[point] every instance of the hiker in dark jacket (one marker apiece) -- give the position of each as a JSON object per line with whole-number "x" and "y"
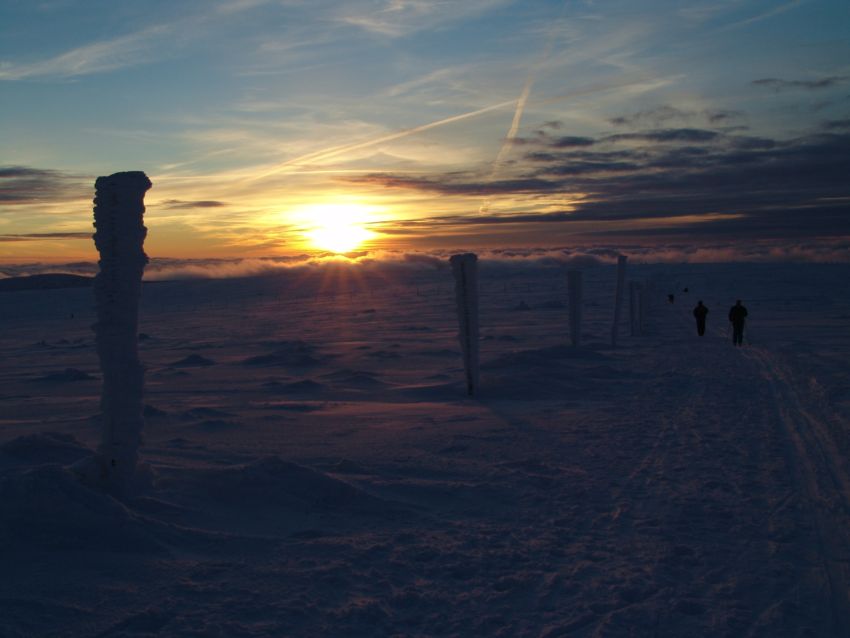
{"x": 700, "y": 312}
{"x": 737, "y": 315}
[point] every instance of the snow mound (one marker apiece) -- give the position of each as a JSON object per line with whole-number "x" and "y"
{"x": 286, "y": 353}
{"x": 282, "y": 358}
{"x": 204, "y": 412}
{"x": 65, "y": 376}
{"x": 552, "y": 304}
{"x": 383, "y": 355}
{"x": 193, "y": 361}
{"x": 302, "y": 387}
{"x": 217, "y": 425}
{"x": 542, "y": 356}
{"x": 47, "y": 508}
{"x": 354, "y": 379}
{"x": 152, "y": 412}
{"x": 271, "y": 481}
{"x": 294, "y": 406}
{"x": 45, "y": 447}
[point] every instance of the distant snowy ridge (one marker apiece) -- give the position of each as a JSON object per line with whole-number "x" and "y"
{"x": 46, "y": 281}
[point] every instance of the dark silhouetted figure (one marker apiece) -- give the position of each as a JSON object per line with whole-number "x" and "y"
{"x": 671, "y": 298}
{"x": 700, "y": 312}
{"x": 737, "y": 315}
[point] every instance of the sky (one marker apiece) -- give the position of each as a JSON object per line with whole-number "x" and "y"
{"x": 278, "y": 128}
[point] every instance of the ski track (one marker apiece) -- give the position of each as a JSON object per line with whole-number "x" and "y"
{"x": 811, "y": 436}
{"x": 703, "y": 492}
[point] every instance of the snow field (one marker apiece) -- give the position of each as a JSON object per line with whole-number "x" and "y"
{"x": 318, "y": 470}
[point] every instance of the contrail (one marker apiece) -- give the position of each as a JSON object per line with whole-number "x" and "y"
{"x": 294, "y": 164}
{"x": 509, "y": 138}
{"x": 339, "y": 150}
{"x": 520, "y": 108}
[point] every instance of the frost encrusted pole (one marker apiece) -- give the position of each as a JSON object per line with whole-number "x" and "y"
{"x": 574, "y": 293}
{"x": 618, "y": 298}
{"x": 465, "y": 271}
{"x": 119, "y": 236}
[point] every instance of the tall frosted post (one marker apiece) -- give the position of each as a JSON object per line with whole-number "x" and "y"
{"x": 119, "y": 236}
{"x": 465, "y": 271}
{"x": 574, "y": 293}
{"x": 618, "y": 298}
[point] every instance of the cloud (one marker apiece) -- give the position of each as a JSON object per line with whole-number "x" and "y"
{"x": 721, "y": 116}
{"x": 106, "y": 55}
{"x": 656, "y": 182}
{"x": 666, "y": 135}
{"x": 780, "y": 85}
{"x": 42, "y": 236}
{"x": 664, "y": 115}
{"x": 390, "y": 264}
{"x": 26, "y": 185}
{"x": 566, "y": 141}
{"x": 177, "y": 204}
{"x": 837, "y": 125}
{"x": 472, "y": 188}
{"x": 398, "y": 18}
{"x": 765, "y": 14}
{"x": 438, "y": 222}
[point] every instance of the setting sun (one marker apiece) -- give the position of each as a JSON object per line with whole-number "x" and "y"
{"x": 338, "y": 228}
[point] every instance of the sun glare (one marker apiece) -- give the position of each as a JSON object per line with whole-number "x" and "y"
{"x": 337, "y": 228}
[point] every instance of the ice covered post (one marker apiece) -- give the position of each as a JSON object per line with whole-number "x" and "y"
{"x": 465, "y": 271}
{"x": 119, "y": 235}
{"x": 618, "y": 298}
{"x": 574, "y": 294}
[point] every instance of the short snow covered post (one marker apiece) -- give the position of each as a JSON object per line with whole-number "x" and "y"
{"x": 119, "y": 235}
{"x": 618, "y": 298}
{"x": 574, "y": 293}
{"x": 465, "y": 271}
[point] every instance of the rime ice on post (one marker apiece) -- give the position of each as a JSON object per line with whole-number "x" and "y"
{"x": 465, "y": 271}
{"x": 119, "y": 235}
{"x": 618, "y": 299}
{"x": 574, "y": 293}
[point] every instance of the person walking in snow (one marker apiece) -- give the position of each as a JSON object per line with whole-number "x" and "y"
{"x": 700, "y": 312}
{"x": 737, "y": 316}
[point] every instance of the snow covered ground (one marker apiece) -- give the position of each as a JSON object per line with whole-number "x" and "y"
{"x": 318, "y": 471}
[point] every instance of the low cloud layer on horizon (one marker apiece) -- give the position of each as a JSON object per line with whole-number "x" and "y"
{"x": 388, "y": 262}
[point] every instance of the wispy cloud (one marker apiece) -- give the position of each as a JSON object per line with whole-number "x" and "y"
{"x": 837, "y": 125}
{"x": 335, "y": 151}
{"x": 397, "y": 18}
{"x": 764, "y": 15}
{"x": 664, "y": 115}
{"x": 26, "y": 184}
{"x": 183, "y": 204}
{"x": 43, "y": 236}
{"x": 778, "y": 84}
{"x": 132, "y": 49}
